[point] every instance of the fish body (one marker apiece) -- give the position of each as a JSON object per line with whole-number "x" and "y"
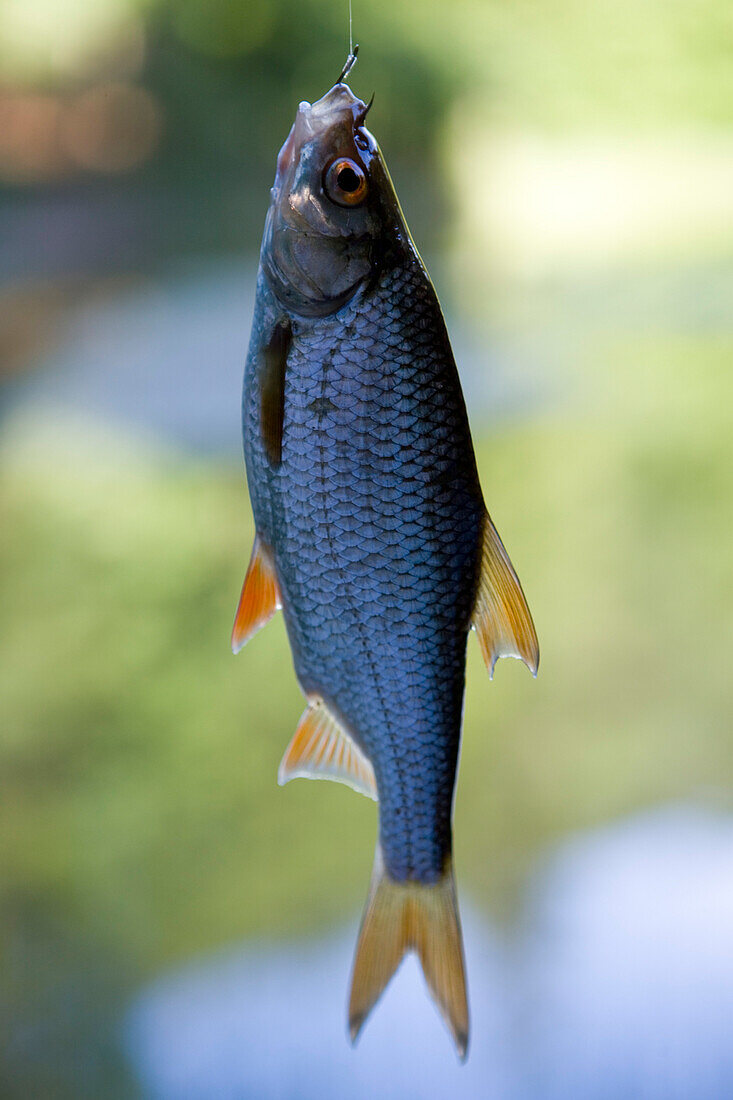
{"x": 372, "y": 533}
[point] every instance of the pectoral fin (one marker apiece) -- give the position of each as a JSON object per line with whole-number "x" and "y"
{"x": 272, "y": 391}
{"x": 260, "y": 597}
{"x": 322, "y": 749}
{"x": 501, "y": 617}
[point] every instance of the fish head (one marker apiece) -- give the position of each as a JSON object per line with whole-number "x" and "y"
{"x": 331, "y": 209}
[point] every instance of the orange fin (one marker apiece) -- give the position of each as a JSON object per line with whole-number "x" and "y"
{"x": 501, "y": 617}
{"x": 409, "y": 916}
{"x": 260, "y": 597}
{"x": 322, "y": 749}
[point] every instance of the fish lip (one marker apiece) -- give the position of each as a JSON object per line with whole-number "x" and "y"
{"x": 339, "y": 100}
{"x": 314, "y": 119}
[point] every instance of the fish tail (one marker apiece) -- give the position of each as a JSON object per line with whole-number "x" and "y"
{"x": 410, "y": 916}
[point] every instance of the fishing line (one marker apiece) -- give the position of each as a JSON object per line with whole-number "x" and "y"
{"x": 353, "y": 52}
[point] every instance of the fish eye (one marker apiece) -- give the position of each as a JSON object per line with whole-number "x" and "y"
{"x": 345, "y": 182}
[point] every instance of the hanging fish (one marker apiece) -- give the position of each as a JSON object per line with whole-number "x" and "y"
{"x": 372, "y": 534}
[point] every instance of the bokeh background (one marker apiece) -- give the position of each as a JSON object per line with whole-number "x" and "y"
{"x": 172, "y": 924}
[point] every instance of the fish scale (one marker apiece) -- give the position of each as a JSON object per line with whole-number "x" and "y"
{"x": 351, "y": 514}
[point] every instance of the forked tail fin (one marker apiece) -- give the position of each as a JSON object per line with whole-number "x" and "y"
{"x": 409, "y": 916}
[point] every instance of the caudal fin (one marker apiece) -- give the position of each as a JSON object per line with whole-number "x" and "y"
{"x": 409, "y": 916}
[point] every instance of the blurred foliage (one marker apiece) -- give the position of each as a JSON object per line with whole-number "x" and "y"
{"x": 138, "y": 808}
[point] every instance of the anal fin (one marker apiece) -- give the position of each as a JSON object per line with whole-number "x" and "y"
{"x": 322, "y": 749}
{"x": 260, "y": 597}
{"x": 501, "y": 617}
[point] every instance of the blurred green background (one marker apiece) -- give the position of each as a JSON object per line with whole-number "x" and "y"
{"x": 567, "y": 171}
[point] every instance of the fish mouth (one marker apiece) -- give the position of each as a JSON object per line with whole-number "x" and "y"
{"x": 338, "y": 101}
{"x": 338, "y": 108}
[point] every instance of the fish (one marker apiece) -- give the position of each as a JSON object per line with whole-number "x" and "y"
{"x": 372, "y": 534}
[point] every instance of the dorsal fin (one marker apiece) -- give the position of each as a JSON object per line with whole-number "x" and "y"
{"x": 322, "y": 749}
{"x": 501, "y": 617}
{"x": 260, "y": 597}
